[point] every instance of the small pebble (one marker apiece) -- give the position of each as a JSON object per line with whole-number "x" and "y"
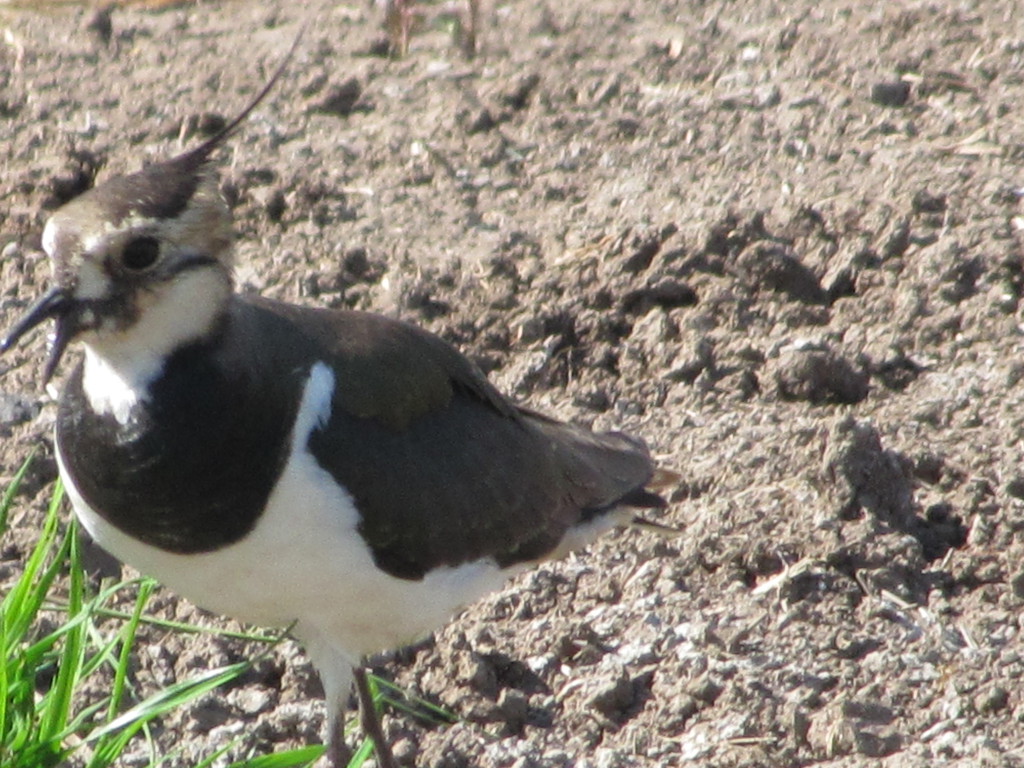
{"x": 891, "y": 94}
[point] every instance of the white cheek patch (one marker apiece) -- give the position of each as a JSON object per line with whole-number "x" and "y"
{"x": 120, "y": 364}
{"x": 92, "y": 282}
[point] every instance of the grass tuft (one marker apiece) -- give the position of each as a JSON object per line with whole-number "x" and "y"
{"x": 58, "y": 639}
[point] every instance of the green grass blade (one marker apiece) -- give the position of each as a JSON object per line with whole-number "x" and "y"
{"x": 296, "y": 758}
{"x": 57, "y": 702}
{"x": 130, "y": 631}
{"x": 6, "y": 635}
{"x": 210, "y": 760}
{"x": 362, "y": 754}
{"x": 5, "y": 693}
{"x": 169, "y": 698}
{"x": 192, "y": 629}
{"x": 388, "y": 693}
{"x": 21, "y": 605}
{"x": 12, "y": 490}
{"x": 24, "y": 658}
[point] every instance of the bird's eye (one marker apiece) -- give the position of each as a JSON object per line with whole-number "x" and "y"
{"x": 140, "y": 253}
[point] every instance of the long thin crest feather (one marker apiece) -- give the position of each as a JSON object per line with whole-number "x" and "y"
{"x": 198, "y": 155}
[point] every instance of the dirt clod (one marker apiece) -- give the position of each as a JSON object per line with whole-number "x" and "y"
{"x": 340, "y": 99}
{"x": 866, "y": 478}
{"x": 819, "y": 376}
{"x": 894, "y": 93}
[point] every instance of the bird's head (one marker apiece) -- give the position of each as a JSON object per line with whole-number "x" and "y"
{"x": 148, "y": 247}
{"x": 142, "y": 262}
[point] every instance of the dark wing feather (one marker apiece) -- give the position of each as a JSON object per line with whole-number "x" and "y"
{"x": 443, "y": 468}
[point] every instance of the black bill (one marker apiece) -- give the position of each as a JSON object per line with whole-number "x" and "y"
{"x": 56, "y": 304}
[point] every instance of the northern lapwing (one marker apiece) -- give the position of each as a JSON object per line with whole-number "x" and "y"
{"x": 342, "y": 472}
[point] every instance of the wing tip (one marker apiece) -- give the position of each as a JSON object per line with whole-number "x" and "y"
{"x": 651, "y": 496}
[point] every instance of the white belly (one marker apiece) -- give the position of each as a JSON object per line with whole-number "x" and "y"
{"x": 305, "y": 561}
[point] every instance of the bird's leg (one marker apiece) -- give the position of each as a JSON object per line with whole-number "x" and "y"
{"x": 371, "y": 721}
{"x": 336, "y": 673}
{"x": 338, "y": 754}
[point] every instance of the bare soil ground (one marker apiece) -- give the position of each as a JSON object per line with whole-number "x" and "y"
{"x": 780, "y": 241}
